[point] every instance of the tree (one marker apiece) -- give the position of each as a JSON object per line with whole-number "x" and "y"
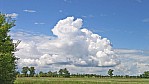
{"x": 64, "y": 72}
{"x": 110, "y": 72}
{"x": 50, "y": 74}
{"x": 55, "y": 74}
{"x": 32, "y": 71}
{"x": 41, "y": 74}
{"x": 7, "y": 58}
{"x": 145, "y": 74}
{"x": 60, "y": 72}
{"x": 25, "y": 71}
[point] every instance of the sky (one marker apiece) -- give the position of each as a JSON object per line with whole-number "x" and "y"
{"x": 111, "y": 33}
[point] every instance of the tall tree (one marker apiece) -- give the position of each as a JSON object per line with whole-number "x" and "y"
{"x": 32, "y": 71}
{"x": 25, "y": 71}
{"x": 7, "y": 58}
{"x": 110, "y": 72}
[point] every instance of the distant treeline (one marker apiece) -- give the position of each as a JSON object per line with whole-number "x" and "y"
{"x": 30, "y": 72}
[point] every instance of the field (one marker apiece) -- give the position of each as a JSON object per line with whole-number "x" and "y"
{"x": 47, "y": 80}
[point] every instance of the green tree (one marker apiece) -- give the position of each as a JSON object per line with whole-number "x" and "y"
{"x": 32, "y": 71}
{"x": 55, "y": 74}
{"x": 145, "y": 74}
{"x": 7, "y": 58}
{"x": 66, "y": 72}
{"x": 25, "y": 71}
{"x": 41, "y": 74}
{"x": 60, "y": 72}
{"x": 110, "y": 72}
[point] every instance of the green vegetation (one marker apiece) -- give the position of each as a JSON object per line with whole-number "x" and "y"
{"x": 32, "y": 71}
{"x": 66, "y": 74}
{"x": 25, "y": 71}
{"x": 145, "y": 75}
{"x": 110, "y": 72}
{"x": 64, "y": 77}
{"x": 49, "y": 80}
{"x": 7, "y": 58}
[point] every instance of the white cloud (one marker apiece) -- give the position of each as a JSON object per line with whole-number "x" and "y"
{"x": 133, "y": 62}
{"x": 82, "y": 44}
{"x": 29, "y": 11}
{"x": 78, "y": 49}
{"x": 74, "y": 45}
{"x": 45, "y": 54}
{"x": 12, "y": 15}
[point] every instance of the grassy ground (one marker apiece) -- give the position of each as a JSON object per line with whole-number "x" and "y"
{"x": 46, "y": 80}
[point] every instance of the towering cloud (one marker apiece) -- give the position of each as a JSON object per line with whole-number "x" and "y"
{"x": 82, "y": 46}
{"x": 77, "y": 49}
{"x": 72, "y": 46}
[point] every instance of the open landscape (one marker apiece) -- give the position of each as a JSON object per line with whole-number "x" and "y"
{"x": 48, "y": 80}
{"x": 74, "y": 41}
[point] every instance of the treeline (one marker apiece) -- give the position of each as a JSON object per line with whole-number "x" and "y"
{"x": 30, "y": 72}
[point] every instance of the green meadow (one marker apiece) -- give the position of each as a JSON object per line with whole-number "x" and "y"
{"x": 48, "y": 80}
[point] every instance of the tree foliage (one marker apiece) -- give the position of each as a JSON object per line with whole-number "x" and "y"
{"x": 64, "y": 72}
{"x": 25, "y": 71}
{"x": 7, "y": 58}
{"x": 28, "y": 72}
{"x": 32, "y": 71}
{"x": 110, "y": 72}
{"x": 145, "y": 74}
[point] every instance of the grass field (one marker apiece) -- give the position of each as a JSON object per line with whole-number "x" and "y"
{"x": 46, "y": 80}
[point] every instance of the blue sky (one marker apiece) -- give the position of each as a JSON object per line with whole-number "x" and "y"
{"x": 124, "y": 22}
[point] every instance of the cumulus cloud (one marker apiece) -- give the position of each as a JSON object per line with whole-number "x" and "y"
{"x": 85, "y": 47}
{"x": 79, "y": 50}
{"x": 73, "y": 45}
{"x": 29, "y": 11}
{"x": 12, "y": 15}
